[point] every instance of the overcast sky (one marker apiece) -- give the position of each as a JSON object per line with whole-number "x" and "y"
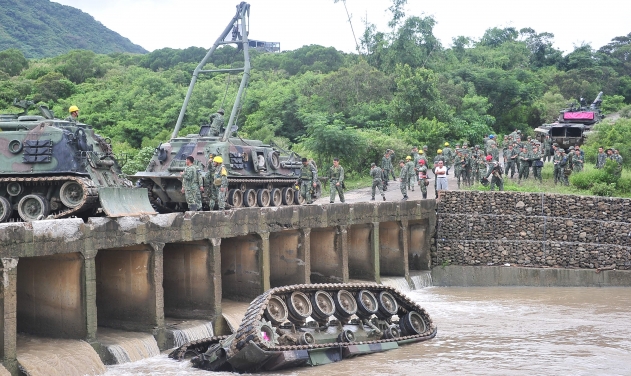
{"x": 155, "y": 24}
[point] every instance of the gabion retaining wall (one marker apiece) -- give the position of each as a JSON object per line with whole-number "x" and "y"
{"x": 532, "y": 229}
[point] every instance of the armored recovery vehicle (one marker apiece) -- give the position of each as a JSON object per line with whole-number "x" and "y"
{"x": 314, "y": 324}
{"x": 52, "y": 168}
{"x": 258, "y": 174}
{"x": 573, "y": 125}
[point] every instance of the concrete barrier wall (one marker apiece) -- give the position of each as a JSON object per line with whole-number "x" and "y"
{"x": 532, "y": 229}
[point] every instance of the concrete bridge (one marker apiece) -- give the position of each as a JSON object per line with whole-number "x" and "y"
{"x": 65, "y": 278}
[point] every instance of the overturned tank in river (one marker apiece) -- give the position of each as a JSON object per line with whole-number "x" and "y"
{"x": 574, "y": 124}
{"x": 52, "y": 168}
{"x": 313, "y": 324}
{"x": 258, "y": 174}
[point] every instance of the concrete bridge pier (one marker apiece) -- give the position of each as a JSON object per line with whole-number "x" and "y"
{"x": 8, "y": 308}
{"x": 289, "y": 252}
{"x": 393, "y": 248}
{"x": 129, "y": 293}
{"x": 329, "y": 254}
{"x": 363, "y": 252}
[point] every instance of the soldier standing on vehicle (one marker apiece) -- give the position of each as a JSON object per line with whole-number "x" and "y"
{"x": 308, "y": 178}
{"x": 376, "y": 174}
{"x": 410, "y": 166}
{"x": 601, "y": 158}
{"x": 403, "y": 179}
{"x": 74, "y": 114}
{"x": 209, "y": 187}
{"x": 336, "y": 180}
{"x": 216, "y": 122}
{"x": 191, "y": 185}
{"x": 220, "y": 182}
{"x": 423, "y": 180}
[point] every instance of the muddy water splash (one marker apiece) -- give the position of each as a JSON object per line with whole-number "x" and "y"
{"x": 51, "y": 357}
{"x": 187, "y": 331}
{"x": 128, "y": 347}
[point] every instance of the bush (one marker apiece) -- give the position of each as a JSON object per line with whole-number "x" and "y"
{"x": 603, "y": 189}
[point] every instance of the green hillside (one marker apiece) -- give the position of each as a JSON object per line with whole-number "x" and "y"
{"x": 40, "y": 28}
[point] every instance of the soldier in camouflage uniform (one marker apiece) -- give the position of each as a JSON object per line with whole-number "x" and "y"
{"x": 495, "y": 171}
{"x": 192, "y": 183}
{"x": 459, "y": 166}
{"x": 547, "y": 149}
{"x": 510, "y": 154}
{"x": 577, "y": 161}
{"x": 209, "y": 187}
{"x": 403, "y": 178}
{"x": 468, "y": 175}
{"x": 537, "y": 163}
{"x": 376, "y": 174}
{"x": 448, "y": 154}
{"x": 308, "y": 178}
{"x": 556, "y": 160}
{"x": 386, "y": 166}
{"x": 601, "y": 158}
{"x": 220, "y": 182}
{"x": 415, "y": 157}
{"x": 410, "y": 166}
{"x": 524, "y": 159}
{"x": 566, "y": 168}
{"x": 423, "y": 180}
{"x": 495, "y": 152}
{"x": 216, "y": 122}
{"x": 74, "y": 115}
{"x": 336, "y": 180}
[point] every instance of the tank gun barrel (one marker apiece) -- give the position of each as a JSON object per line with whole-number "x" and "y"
{"x": 596, "y": 103}
{"x": 242, "y": 10}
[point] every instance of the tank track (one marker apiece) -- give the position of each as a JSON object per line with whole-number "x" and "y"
{"x": 90, "y": 199}
{"x": 248, "y": 331}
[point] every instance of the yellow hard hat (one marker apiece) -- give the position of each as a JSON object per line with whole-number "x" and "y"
{"x": 446, "y": 143}
{"x": 420, "y": 152}
{"x": 408, "y": 158}
{"x": 439, "y": 151}
{"x": 218, "y": 159}
{"x": 73, "y": 109}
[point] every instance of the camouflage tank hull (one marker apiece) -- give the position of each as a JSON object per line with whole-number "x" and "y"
{"x": 310, "y": 325}
{"x": 50, "y": 168}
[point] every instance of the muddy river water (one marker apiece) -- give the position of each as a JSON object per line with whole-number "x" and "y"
{"x": 489, "y": 331}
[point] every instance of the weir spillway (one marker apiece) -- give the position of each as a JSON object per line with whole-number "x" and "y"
{"x": 66, "y": 278}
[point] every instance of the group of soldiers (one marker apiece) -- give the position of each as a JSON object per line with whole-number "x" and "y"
{"x": 213, "y": 182}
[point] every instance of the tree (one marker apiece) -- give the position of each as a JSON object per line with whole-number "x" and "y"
{"x": 12, "y": 62}
{"x": 416, "y": 96}
{"x": 52, "y": 87}
{"x": 79, "y": 65}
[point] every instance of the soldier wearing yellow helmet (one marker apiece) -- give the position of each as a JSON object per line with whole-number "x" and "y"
{"x": 74, "y": 114}
{"x": 409, "y": 165}
{"x": 448, "y": 155}
{"x": 219, "y": 184}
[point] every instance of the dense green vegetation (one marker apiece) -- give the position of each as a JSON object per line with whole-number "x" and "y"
{"x": 41, "y": 28}
{"x": 405, "y": 88}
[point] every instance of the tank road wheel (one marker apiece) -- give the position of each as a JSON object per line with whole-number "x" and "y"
{"x": 288, "y": 196}
{"x": 298, "y": 199}
{"x": 14, "y": 188}
{"x": 276, "y": 197}
{"x": 33, "y": 207}
{"x": 412, "y": 323}
{"x": 276, "y": 310}
{"x": 299, "y": 307}
{"x": 263, "y": 198}
{"x": 366, "y": 304}
{"x": 235, "y": 198}
{"x": 323, "y": 305}
{"x": 5, "y": 209}
{"x": 387, "y": 305}
{"x": 345, "y": 305}
{"x": 71, "y": 194}
{"x": 249, "y": 198}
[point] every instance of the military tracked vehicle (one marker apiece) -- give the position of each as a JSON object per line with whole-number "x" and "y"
{"x": 258, "y": 174}
{"x": 573, "y": 125}
{"x": 52, "y": 168}
{"x": 309, "y": 325}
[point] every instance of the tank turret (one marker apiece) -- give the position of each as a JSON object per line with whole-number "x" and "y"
{"x": 52, "y": 168}
{"x": 259, "y": 174}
